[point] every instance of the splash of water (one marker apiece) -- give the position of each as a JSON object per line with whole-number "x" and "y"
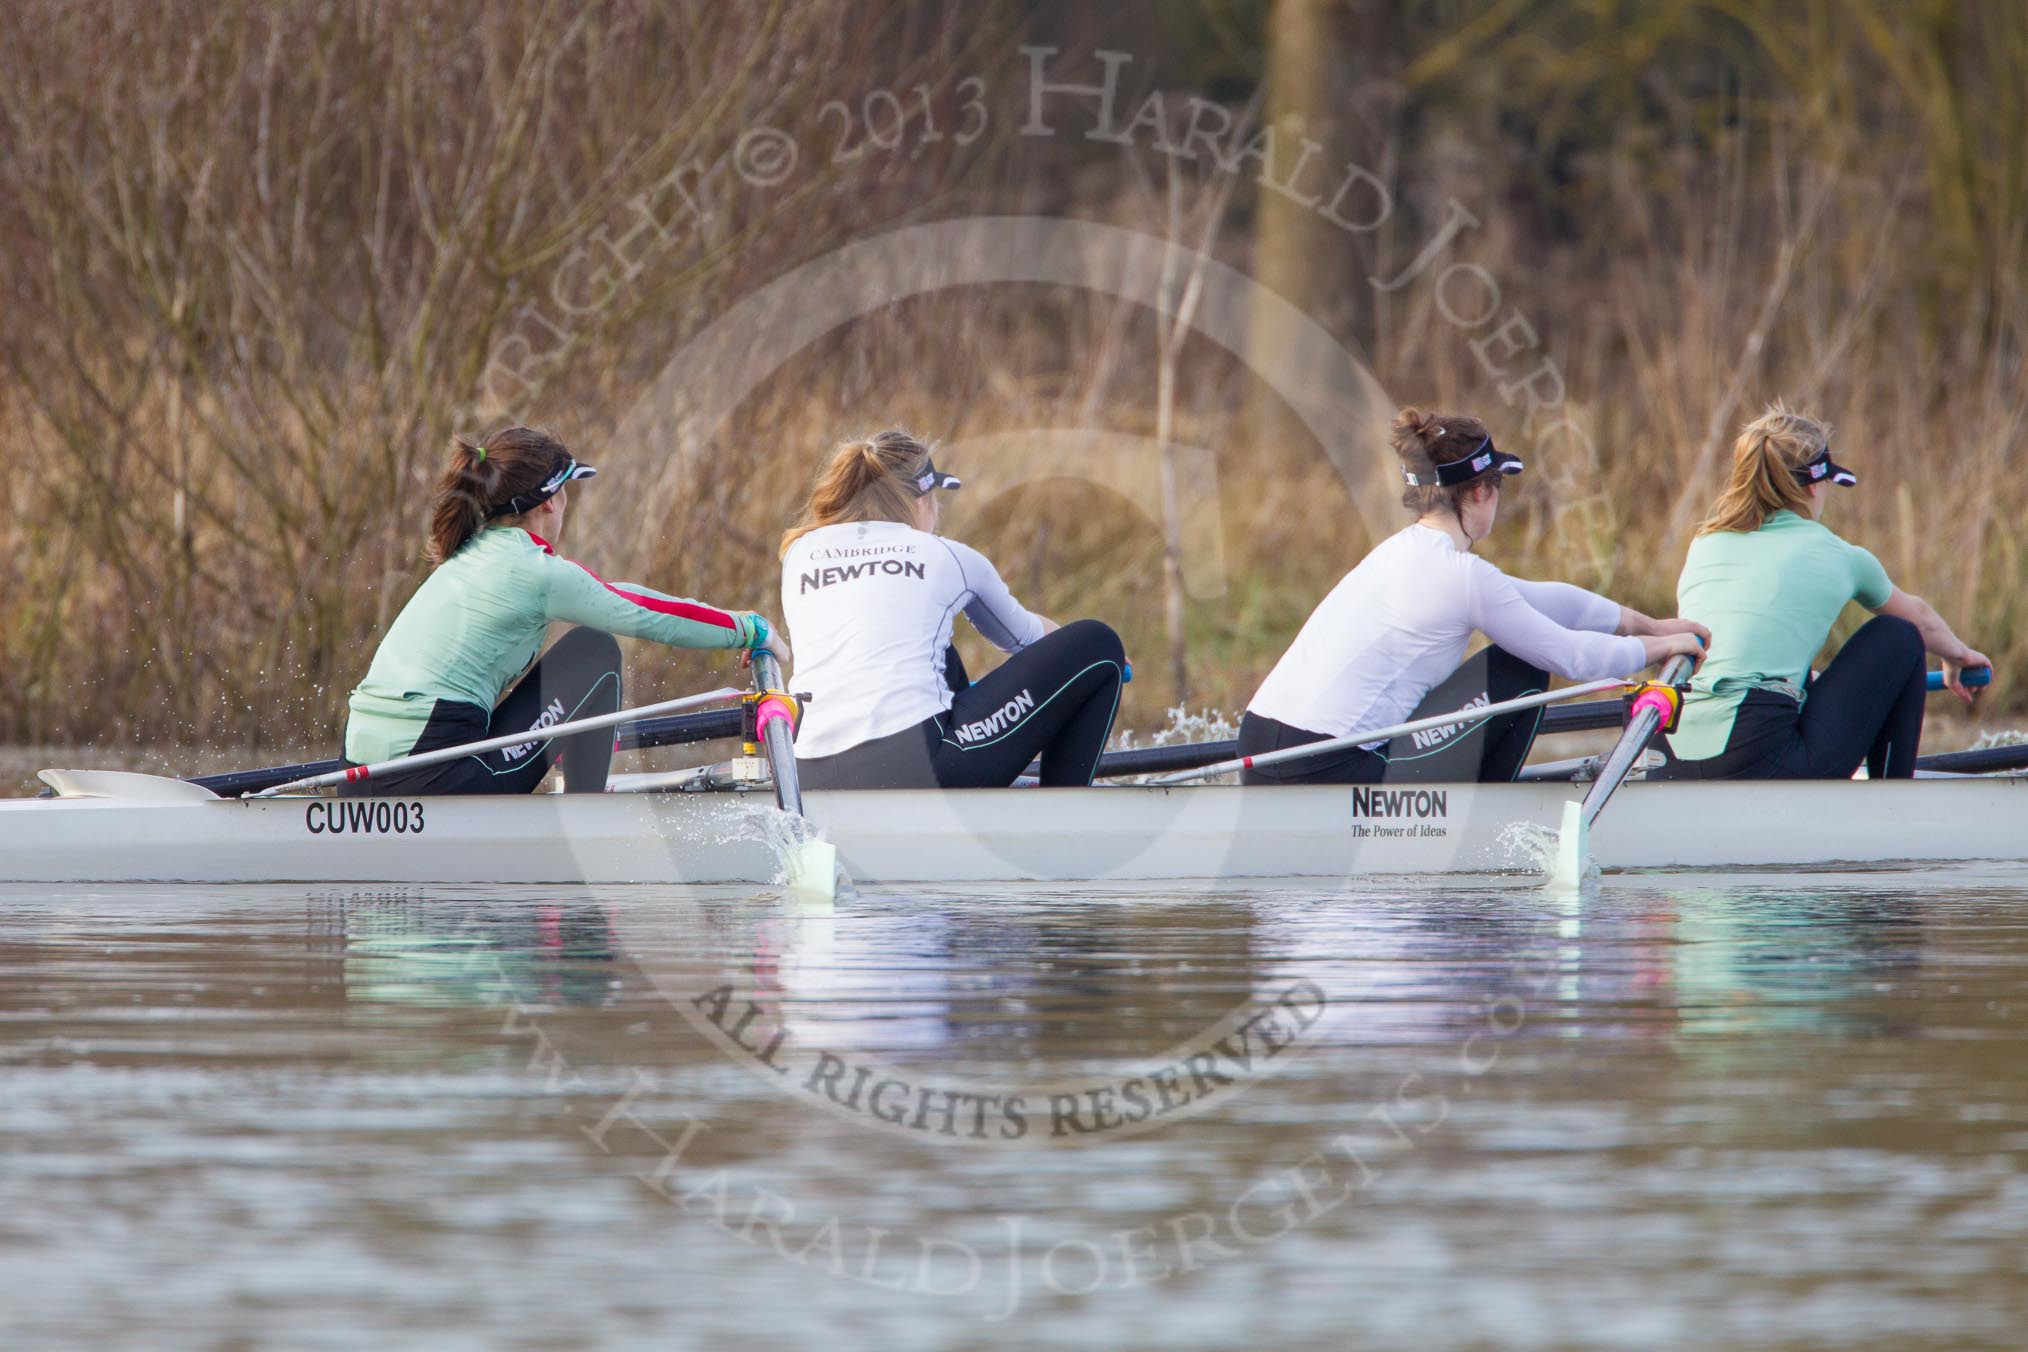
{"x": 1532, "y": 847}
{"x": 788, "y": 837}
{"x": 1206, "y": 725}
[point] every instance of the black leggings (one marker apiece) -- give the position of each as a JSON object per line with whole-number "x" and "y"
{"x": 1867, "y": 706}
{"x": 578, "y": 677}
{"x": 1055, "y": 698}
{"x": 1486, "y": 751}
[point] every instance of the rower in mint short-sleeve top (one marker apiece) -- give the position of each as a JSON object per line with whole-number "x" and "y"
{"x": 1769, "y": 597}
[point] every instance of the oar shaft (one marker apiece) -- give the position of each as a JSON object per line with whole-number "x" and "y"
{"x": 1649, "y": 710}
{"x": 673, "y": 730}
{"x": 1467, "y": 715}
{"x": 774, "y": 722}
{"x": 360, "y": 773}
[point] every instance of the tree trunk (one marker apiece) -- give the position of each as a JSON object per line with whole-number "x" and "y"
{"x": 1326, "y": 58}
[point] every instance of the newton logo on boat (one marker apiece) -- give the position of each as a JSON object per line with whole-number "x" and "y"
{"x": 1422, "y": 803}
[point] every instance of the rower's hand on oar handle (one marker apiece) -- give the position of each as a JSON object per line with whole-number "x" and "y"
{"x": 1683, "y": 627}
{"x": 1689, "y": 641}
{"x": 1954, "y": 674}
{"x": 774, "y": 643}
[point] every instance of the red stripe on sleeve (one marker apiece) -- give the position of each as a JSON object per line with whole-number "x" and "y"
{"x": 688, "y": 610}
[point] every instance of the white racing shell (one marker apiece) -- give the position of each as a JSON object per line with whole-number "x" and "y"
{"x": 984, "y": 835}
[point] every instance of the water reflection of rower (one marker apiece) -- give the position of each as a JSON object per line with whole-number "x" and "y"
{"x": 411, "y": 949}
{"x": 1012, "y": 987}
{"x": 1767, "y": 961}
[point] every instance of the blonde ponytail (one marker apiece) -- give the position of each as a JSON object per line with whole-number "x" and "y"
{"x": 1765, "y": 458}
{"x": 868, "y": 479}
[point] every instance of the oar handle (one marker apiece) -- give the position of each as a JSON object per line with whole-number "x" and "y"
{"x": 1971, "y": 676}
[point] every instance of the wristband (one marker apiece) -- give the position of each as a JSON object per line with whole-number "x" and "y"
{"x": 760, "y": 630}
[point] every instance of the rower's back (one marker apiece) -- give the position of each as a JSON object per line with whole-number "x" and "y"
{"x": 869, "y": 606}
{"x": 1769, "y": 597}
{"x": 1400, "y": 622}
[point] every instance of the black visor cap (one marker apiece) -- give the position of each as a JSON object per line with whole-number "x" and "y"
{"x": 1464, "y": 469}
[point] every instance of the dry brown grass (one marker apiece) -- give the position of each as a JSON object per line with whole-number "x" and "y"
{"x": 262, "y": 258}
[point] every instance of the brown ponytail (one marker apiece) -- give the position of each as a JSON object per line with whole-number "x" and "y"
{"x": 1765, "y": 459}
{"x": 869, "y": 479}
{"x": 484, "y": 475}
{"x": 1422, "y": 441}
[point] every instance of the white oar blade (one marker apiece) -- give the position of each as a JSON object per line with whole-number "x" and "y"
{"x": 812, "y": 873}
{"x": 125, "y": 785}
{"x": 1573, "y": 850}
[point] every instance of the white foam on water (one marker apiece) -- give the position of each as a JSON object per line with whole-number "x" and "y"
{"x": 1534, "y": 847}
{"x": 801, "y": 853}
{"x": 1184, "y": 727}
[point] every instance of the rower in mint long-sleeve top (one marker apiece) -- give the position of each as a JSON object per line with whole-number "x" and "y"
{"x": 442, "y": 673}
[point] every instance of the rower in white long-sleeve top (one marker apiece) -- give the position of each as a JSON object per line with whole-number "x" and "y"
{"x": 1385, "y": 645}
{"x": 870, "y": 594}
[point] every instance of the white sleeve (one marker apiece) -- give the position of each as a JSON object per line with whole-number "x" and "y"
{"x": 1571, "y": 607}
{"x": 989, "y": 605}
{"x": 1497, "y": 610}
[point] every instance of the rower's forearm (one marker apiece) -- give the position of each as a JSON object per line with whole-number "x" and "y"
{"x": 1634, "y": 624}
{"x": 1938, "y": 639}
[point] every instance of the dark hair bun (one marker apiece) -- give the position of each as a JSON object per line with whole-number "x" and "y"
{"x": 1413, "y": 427}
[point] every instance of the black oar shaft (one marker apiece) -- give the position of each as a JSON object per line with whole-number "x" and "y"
{"x": 642, "y": 735}
{"x": 1583, "y": 716}
{"x": 724, "y": 724}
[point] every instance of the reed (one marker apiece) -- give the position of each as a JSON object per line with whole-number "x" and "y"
{"x": 258, "y": 290}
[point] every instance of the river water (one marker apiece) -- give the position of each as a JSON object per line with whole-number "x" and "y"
{"x": 1697, "y": 1110}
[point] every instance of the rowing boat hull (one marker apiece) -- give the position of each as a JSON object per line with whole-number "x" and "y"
{"x": 1065, "y": 835}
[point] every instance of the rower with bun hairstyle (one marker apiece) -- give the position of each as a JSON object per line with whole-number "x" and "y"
{"x": 870, "y": 592}
{"x": 1770, "y": 579}
{"x": 475, "y": 625}
{"x": 1386, "y": 644}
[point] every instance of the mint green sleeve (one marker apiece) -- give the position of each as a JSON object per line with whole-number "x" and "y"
{"x": 575, "y": 594}
{"x": 1870, "y": 585}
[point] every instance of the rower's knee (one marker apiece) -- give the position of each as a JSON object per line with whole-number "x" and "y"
{"x": 1894, "y": 635}
{"x": 588, "y": 644}
{"x": 1505, "y": 671}
{"x": 1096, "y": 638}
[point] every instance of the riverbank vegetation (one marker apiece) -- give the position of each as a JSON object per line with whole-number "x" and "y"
{"x": 263, "y": 262}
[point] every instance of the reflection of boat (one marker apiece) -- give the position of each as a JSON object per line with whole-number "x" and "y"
{"x": 1771, "y": 960}
{"x": 904, "y": 981}
{"x": 143, "y": 828}
{"x": 436, "y": 952}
